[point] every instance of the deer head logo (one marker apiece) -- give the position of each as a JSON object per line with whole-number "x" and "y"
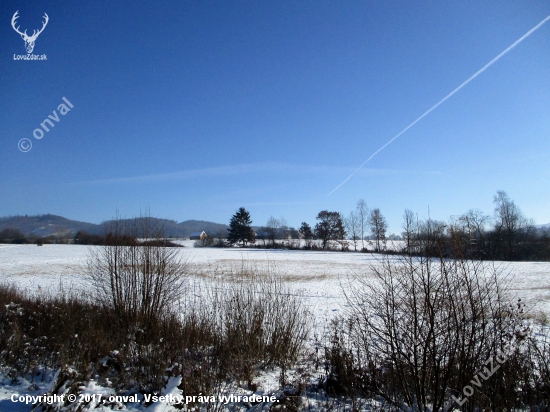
{"x": 29, "y": 40}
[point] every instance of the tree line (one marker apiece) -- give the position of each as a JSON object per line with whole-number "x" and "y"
{"x": 507, "y": 235}
{"x": 332, "y": 230}
{"x": 15, "y": 236}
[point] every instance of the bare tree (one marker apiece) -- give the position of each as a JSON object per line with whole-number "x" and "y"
{"x": 378, "y": 227}
{"x": 272, "y": 229}
{"x": 284, "y": 232}
{"x": 410, "y": 227}
{"x": 353, "y": 227}
{"x": 431, "y": 236}
{"x": 471, "y": 233}
{"x": 510, "y": 224}
{"x": 362, "y": 215}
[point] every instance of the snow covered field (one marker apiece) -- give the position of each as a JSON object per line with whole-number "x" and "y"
{"x": 318, "y": 276}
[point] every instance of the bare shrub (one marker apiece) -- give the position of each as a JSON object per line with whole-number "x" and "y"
{"x": 204, "y": 241}
{"x": 420, "y": 329}
{"x": 539, "y": 379}
{"x": 340, "y": 366}
{"x": 139, "y": 280}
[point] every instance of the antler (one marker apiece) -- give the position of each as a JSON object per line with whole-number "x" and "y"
{"x": 35, "y": 34}
{"x": 13, "y": 19}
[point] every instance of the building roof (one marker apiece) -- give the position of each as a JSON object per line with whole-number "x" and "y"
{"x": 197, "y": 233}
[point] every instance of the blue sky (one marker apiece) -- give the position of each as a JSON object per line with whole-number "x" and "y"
{"x": 193, "y": 108}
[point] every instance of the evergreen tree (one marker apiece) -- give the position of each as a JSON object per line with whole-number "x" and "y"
{"x": 305, "y": 231}
{"x": 239, "y": 228}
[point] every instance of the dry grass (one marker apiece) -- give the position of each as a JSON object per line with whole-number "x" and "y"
{"x": 226, "y": 333}
{"x": 230, "y": 271}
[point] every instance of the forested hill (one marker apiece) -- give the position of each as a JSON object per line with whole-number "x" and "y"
{"x": 47, "y": 225}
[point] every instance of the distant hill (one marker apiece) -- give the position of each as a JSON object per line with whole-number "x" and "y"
{"x": 46, "y": 225}
{"x": 189, "y": 226}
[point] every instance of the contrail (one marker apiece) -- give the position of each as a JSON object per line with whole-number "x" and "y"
{"x": 445, "y": 98}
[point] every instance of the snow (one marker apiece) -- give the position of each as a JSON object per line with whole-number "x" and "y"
{"x": 319, "y": 277}
{"x": 171, "y": 389}
{"x": 32, "y": 386}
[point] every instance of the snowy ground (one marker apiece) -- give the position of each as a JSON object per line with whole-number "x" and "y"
{"x": 318, "y": 276}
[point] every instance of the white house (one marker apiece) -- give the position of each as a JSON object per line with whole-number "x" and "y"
{"x": 198, "y": 235}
